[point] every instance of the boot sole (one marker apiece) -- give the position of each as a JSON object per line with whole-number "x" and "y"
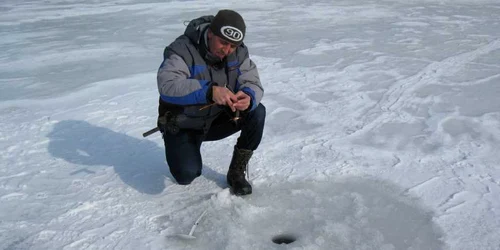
{"x": 243, "y": 192}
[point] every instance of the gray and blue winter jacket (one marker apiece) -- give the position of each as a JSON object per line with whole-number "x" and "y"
{"x": 186, "y": 75}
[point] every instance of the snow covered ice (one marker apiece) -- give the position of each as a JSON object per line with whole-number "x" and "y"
{"x": 382, "y": 130}
{"x": 355, "y": 213}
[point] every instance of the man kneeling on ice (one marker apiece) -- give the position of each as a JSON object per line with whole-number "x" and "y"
{"x": 210, "y": 89}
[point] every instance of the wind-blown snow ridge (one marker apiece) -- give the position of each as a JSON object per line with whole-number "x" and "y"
{"x": 400, "y": 95}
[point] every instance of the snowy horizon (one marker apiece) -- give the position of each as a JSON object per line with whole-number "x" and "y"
{"x": 382, "y": 127}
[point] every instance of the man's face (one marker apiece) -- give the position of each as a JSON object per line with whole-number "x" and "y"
{"x": 220, "y": 47}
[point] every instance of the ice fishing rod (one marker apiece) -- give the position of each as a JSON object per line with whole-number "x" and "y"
{"x": 190, "y": 236}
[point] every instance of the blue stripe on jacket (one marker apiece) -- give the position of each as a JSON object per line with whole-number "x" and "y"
{"x": 251, "y": 93}
{"x": 232, "y": 63}
{"x": 197, "y": 97}
{"x": 238, "y": 82}
{"x": 196, "y": 69}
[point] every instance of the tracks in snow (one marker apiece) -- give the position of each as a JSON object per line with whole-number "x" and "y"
{"x": 401, "y": 93}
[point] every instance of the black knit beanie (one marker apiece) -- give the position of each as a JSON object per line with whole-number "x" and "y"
{"x": 228, "y": 24}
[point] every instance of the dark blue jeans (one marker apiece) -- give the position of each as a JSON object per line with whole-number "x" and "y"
{"x": 183, "y": 149}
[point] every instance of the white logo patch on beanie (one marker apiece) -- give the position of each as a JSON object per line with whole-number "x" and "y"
{"x": 231, "y": 33}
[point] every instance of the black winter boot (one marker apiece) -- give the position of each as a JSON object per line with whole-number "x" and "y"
{"x": 237, "y": 169}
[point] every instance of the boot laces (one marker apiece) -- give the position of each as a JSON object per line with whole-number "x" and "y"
{"x": 247, "y": 172}
{"x": 244, "y": 168}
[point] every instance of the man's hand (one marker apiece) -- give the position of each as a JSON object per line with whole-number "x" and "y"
{"x": 242, "y": 101}
{"x": 224, "y": 96}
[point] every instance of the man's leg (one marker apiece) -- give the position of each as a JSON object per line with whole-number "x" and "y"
{"x": 252, "y": 128}
{"x": 183, "y": 155}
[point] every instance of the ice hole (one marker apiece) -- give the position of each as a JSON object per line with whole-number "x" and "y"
{"x": 284, "y": 239}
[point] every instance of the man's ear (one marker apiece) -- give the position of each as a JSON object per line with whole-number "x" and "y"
{"x": 210, "y": 33}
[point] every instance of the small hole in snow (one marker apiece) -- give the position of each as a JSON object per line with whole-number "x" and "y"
{"x": 284, "y": 239}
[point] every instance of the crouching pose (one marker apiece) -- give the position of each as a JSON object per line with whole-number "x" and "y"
{"x": 210, "y": 89}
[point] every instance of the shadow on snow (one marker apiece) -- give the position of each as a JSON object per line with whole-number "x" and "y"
{"x": 139, "y": 163}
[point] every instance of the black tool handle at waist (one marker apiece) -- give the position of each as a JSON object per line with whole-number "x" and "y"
{"x": 150, "y": 132}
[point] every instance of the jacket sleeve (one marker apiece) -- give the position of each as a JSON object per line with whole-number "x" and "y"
{"x": 175, "y": 85}
{"x": 250, "y": 82}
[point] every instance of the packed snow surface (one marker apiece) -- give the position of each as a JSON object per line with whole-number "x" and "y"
{"x": 382, "y": 128}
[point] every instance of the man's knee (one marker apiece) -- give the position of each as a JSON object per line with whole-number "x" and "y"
{"x": 259, "y": 114}
{"x": 185, "y": 172}
{"x": 185, "y": 177}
